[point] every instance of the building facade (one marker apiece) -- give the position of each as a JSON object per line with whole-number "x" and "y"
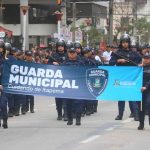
{"x": 42, "y": 22}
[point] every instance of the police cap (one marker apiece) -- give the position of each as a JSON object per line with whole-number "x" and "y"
{"x": 71, "y": 50}
{"x": 60, "y": 43}
{"x": 146, "y": 56}
{"x": 29, "y": 53}
{"x": 14, "y": 49}
{"x": 77, "y": 45}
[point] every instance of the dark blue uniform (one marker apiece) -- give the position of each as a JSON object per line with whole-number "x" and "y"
{"x": 15, "y": 100}
{"x": 3, "y": 100}
{"x": 89, "y": 106}
{"x": 60, "y": 102}
{"x": 134, "y": 59}
{"x": 145, "y": 97}
{"x": 74, "y": 106}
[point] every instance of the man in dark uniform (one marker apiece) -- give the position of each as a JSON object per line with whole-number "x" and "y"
{"x": 75, "y": 104}
{"x": 145, "y": 105}
{"x": 29, "y": 98}
{"x": 57, "y": 59}
{"x": 78, "y": 48}
{"x": 15, "y": 100}
{"x": 3, "y": 96}
{"x": 126, "y": 57}
{"x": 90, "y": 106}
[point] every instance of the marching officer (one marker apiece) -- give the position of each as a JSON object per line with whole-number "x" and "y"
{"x": 3, "y": 96}
{"x": 126, "y": 57}
{"x": 29, "y": 98}
{"x": 73, "y": 105}
{"x": 58, "y": 58}
{"x": 145, "y": 105}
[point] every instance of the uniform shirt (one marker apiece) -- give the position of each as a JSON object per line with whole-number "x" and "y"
{"x": 125, "y": 54}
{"x": 76, "y": 62}
{"x": 57, "y": 57}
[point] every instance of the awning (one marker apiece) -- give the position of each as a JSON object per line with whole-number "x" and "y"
{"x": 8, "y": 32}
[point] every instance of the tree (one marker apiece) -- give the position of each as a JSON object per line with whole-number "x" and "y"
{"x": 143, "y": 29}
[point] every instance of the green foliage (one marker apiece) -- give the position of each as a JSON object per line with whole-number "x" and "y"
{"x": 94, "y": 35}
{"x": 143, "y": 29}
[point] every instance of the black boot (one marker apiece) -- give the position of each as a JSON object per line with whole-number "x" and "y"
{"x": 78, "y": 119}
{"x": 59, "y": 115}
{"x": 5, "y": 125}
{"x": 17, "y": 110}
{"x": 119, "y": 117}
{"x": 0, "y": 123}
{"x": 88, "y": 110}
{"x": 65, "y": 115}
{"x": 70, "y": 122}
{"x": 31, "y": 109}
{"x": 23, "y": 110}
{"x": 11, "y": 112}
{"x": 136, "y": 116}
{"x": 141, "y": 119}
{"x": 141, "y": 126}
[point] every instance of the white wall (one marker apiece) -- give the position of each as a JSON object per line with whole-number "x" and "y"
{"x": 34, "y": 29}
{"x": 144, "y": 10}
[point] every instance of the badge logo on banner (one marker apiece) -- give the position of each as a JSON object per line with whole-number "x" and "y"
{"x": 96, "y": 80}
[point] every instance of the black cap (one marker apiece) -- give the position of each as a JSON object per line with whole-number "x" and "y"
{"x": 77, "y": 45}
{"x": 14, "y": 49}
{"x": 125, "y": 38}
{"x": 71, "y": 49}
{"x": 29, "y": 53}
{"x": 60, "y": 43}
{"x": 146, "y": 56}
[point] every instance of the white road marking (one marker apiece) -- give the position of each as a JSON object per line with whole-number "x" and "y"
{"x": 90, "y": 139}
{"x": 110, "y": 129}
{"x": 127, "y": 120}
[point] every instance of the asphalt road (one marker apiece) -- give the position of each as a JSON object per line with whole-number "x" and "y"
{"x": 41, "y": 130}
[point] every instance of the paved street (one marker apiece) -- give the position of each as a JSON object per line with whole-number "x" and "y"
{"x": 41, "y": 131}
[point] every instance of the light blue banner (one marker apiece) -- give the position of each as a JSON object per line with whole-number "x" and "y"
{"x": 124, "y": 84}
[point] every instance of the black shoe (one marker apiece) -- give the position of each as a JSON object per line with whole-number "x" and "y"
{"x": 88, "y": 113}
{"x": 70, "y": 122}
{"x": 78, "y": 119}
{"x": 23, "y": 112}
{"x": 131, "y": 115}
{"x": 17, "y": 114}
{"x": 59, "y": 117}
{"x": 5, "y": 125}
{"x": 78, "y": 122}
{"x": 140, "y": 127}
{"x": 32, "y": 111}
{"x": 118, "y": 117}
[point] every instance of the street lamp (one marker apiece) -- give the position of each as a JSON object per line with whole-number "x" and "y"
{"x": 58, "y": 16}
